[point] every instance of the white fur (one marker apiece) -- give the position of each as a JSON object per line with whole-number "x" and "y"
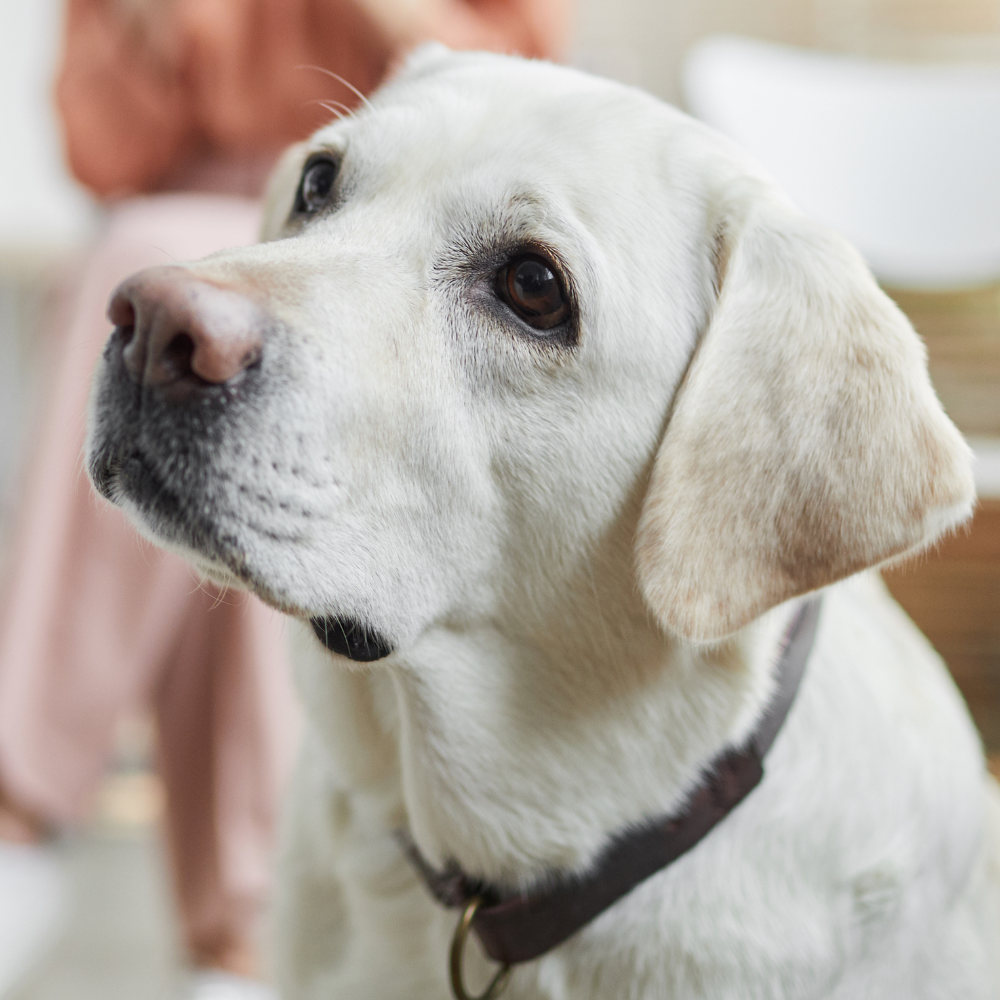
{"x": 586, "y": 572}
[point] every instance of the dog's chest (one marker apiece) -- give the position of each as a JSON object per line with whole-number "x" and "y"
{"x": 861, "y": 836}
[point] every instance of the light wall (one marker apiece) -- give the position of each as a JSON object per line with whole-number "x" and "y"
{"x": 643, "y": 41}
{"x": 41, "y": 209}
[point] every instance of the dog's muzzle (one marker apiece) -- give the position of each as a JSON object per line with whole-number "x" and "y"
{"x": 180, "y": 388}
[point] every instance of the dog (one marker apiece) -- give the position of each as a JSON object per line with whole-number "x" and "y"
{"x": 552, "y": 416}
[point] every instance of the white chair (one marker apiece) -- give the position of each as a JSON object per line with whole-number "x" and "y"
{"x": 902, "y": 158}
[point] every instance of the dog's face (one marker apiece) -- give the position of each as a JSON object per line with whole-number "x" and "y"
{"x": 472, "y": 318}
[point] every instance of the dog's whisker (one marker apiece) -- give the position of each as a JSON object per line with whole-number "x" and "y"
{"x": 335, "y": 108}
{"x": 165, "y": 252}
{"x": 333, "y": 111}
{"x": 218, "y": 596}
{"x": 336, "y": 76}
{"x": 338, "y": 114}
{"x": 345, "y": 108}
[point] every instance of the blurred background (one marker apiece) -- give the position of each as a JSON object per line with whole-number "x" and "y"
{"x": 884, "y": 121}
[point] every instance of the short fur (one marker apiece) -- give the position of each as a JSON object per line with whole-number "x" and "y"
{"x": 585, "y": 552}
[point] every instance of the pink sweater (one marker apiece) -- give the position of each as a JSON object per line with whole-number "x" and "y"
{"x": 148, "y": 87}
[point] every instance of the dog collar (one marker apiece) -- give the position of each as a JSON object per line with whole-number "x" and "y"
{"x": 522, "y": 927}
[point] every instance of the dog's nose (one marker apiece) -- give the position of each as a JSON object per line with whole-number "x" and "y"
{"x": 178, "y": 332}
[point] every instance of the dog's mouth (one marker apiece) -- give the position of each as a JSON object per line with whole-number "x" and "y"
{"x": 133, "y": 476}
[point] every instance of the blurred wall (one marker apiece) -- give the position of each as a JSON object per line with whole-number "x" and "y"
{"x": 643, "y": 41}
{"x": 40, "y": 206}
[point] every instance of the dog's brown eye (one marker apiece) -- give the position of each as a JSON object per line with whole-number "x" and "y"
{"x": 316, "y": 185}
{"x": 529, "y": 285}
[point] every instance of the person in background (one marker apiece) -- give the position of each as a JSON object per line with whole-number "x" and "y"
{"x": 173, "y": 111}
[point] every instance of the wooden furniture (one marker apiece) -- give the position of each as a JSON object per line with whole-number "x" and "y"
{"x": 953, "y": 594}
{"x": 962, "y": 334}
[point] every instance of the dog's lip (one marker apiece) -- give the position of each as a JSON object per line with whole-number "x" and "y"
{"x": 104, "y": 468}
{"x": 143, "y": 497}
{"x": 350, "y": 638}
{"x": 109, "y": 475}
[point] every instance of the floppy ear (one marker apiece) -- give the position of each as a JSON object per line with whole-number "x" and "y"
{"x": 806, "y": 442}
{"x": 280, "y": 192}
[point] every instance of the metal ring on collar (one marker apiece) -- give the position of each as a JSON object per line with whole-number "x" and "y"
{"x": 498, "y": 982}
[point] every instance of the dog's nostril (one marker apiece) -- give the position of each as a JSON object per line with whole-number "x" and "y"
{"x": 121, "y": 312}
{"x": 179, "y": 352}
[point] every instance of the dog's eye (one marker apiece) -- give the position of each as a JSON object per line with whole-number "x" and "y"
{"x": 316, "y": 185}
{"x": 530, "y": 286}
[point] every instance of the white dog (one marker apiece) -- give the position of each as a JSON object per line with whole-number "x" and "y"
{"x": 542, "y": 400}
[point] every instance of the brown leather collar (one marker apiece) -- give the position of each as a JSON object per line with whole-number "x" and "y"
{"x": 519, "y": 928}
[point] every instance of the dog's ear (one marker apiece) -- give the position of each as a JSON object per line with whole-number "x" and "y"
{"x": 806, "y": 442}
{"x": 280, "y": 193}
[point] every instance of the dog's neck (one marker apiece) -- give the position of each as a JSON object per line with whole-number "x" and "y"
{"x": 521, "y": 757}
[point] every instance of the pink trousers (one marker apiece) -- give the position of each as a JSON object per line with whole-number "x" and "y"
{"x": 96, "y": 624}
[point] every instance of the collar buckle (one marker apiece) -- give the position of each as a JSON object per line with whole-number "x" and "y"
{"x": 497, "y": 983}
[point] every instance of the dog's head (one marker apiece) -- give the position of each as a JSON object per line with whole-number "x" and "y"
{"x": 512, "y": 326}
